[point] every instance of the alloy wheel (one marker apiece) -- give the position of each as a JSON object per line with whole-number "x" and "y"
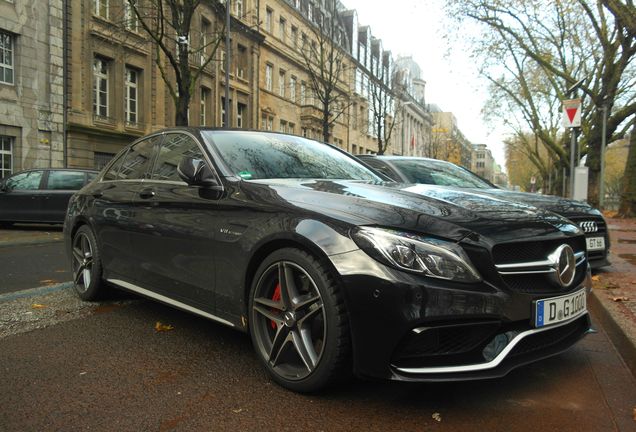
{"x": 289, "y": 320}
{"x": 82, "y": 261}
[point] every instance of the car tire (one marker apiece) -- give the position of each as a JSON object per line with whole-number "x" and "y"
{"x": 86, "y": 265}
{"x": 299, "y": 328}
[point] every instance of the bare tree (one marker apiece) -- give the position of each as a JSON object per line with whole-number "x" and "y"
{"x": 323, "y": 57}
{"x": 563, "y": 41}
{"x": 180, "y": 60}
{"x": 628, "y": 194}
{"x": 384, "y": 107}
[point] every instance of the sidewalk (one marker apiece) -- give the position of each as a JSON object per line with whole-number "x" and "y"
{"x": 30, "y": 234}
{"x": 614, "y": 297}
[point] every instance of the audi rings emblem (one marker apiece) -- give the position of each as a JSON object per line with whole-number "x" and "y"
{"x": 564, "y": 264}
{"x": 589, "y": 226}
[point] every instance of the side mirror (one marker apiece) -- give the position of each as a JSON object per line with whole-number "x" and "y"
{"x": 196, "y": 172}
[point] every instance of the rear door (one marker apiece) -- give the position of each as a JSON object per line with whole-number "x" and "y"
{"x": 176, "y": 226}
{"x": 58, "y": 188}
{"x": 21, "y": 201}
{"x": 115, "y": 220}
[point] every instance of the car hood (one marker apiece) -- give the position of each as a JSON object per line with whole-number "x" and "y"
{"x": 563, "y": 206}
{"x": 445, "y": 212}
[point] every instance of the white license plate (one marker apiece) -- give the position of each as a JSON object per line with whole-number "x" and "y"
{"x": 557, "y": 309}
{"x": 595, "y": 243}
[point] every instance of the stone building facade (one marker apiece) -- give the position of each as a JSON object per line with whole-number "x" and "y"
{"x": 447, "y": 140}
{"x": 414, "y": 121}
{"x": 31, "y": 85}
{"x": 483, "y": 163}
{"x": 117, "y": 92}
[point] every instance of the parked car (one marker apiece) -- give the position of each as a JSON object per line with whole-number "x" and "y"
{"x": 40, "y": 195}
{"x": 442, "y": 173}
{"x": 330, "y": 269}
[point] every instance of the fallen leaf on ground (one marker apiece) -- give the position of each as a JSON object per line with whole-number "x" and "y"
{"x": 236, "y": 411}
{"x": 619, "y": 299}
{"x": 82, "y": 373}
{"x": 38, "y": 306}
{"x": 163, "y": 327}
{"x": 612, "y": 285}
{"x": 596, "y": 278}
{"x": 437, "y": 417}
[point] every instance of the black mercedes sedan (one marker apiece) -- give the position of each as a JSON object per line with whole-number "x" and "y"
{"x": 330, "y": 269}
{"x": 442, "y": 173}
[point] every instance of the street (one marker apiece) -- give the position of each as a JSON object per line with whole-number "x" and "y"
{"x": 104, "y": 366}
{"x": 33, "y": 265}
{"x": 72, "y": 365}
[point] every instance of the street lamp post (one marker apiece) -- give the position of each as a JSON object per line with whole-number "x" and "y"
{"x": 228, "y": 55}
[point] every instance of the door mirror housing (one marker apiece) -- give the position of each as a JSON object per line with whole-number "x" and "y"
{"x": 196, "y": 172}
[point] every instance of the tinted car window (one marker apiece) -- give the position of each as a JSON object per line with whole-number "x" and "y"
{"x": 111, "y": 174}
{"x": 253, "y": 155}
{"x": 172, "y": 150}
{"x": 138, "y": 159}
{"x": 67, "y": 180}
{"x": 438, "y": 173}
{"x": 24, "y": 181}
{"x": 383, "y": 168}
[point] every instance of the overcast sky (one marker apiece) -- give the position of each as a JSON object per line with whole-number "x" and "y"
{"x": 416, "y": 28}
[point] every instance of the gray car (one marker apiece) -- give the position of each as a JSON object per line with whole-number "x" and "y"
{"x": 40, "y": 195}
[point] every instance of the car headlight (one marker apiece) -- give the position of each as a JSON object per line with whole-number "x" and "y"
{"x": 414, "y": 253}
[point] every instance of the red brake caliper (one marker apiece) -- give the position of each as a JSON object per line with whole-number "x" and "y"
{"x": 275, "y": 297}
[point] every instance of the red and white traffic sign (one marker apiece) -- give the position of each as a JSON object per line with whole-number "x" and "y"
{"x": 572, "y": 113}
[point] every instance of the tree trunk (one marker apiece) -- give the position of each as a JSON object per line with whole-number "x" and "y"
{"x": 181, "y": 115}
{"x": 325, "y": 123}
{"x": 628, "y": 196}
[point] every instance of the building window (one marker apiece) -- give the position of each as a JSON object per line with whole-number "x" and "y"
{"x": 281, "y": 83}
{"x": 292, "y": 88}
{"x": 282, "y": 29}
{"x": 239, "y": 8}
{"x": 303, "y": 93}
{"x": 205, "y": 31}
{"x": 269, "y": 70}
{"x": 223, "y": 60}
{"x": 291, "y": 128}
{"x": 132, "y": 95}
{"x": 267, "y": 122}
{"x": 305, "y": 132}
{"x": 131, "y": 22}
{"x": 203, "y": 103}
{"x": 6, "y": 156}
{"x": 294, "y": 37}
{"x": 100, "y": 160}
{"x": 100, "y": 87}
{"x": 241, "y": 62}
{"x": 6, "y": 58}
{"x": 241, "y": 109}
{"x": 101, "y": 8}
{"x": 269, "y": 16}
{"x": 283, "y": 126}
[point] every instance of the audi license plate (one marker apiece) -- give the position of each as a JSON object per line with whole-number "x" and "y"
{"x": 595, "y": 243}
{"x": 557, "y": 309}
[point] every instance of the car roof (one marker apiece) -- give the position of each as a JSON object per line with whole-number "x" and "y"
{"x": 397, "y": 157}
{"x": 89, "y": 170}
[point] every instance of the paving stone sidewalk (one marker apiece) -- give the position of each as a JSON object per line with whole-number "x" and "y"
{"x": 614, "y": 295}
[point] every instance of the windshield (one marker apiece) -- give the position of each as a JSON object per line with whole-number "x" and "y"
{"x": 438, "y": 173}
{"x": 254, "y": 155}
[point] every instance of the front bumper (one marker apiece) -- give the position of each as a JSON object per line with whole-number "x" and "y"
{"x": 411, "y": 328}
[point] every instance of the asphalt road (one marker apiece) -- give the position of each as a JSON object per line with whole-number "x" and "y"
{"x": 109, "y": 369}
{"x": 32, "y": 265}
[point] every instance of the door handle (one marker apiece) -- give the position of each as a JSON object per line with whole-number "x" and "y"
{"x": 146, "y": 193}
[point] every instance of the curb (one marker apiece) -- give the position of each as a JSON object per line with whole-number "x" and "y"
{"x": 9, "y": 243}
{"x": 624, "y": 345}
{"x": 35, "y": 292}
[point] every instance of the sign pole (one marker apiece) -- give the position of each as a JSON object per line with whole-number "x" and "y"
{"x": 572, "y": 160}
{"x": 601, "y": 185}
